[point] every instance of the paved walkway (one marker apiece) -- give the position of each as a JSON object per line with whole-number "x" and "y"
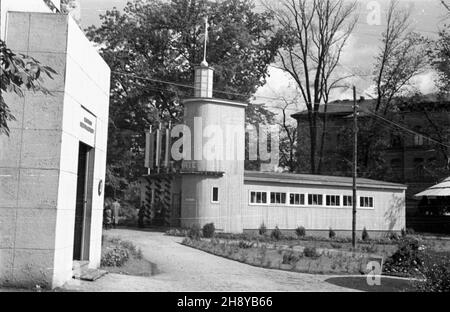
{"x": 183, "y": 268}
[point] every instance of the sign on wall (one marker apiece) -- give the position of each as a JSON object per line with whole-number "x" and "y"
{"x": 88, "y": 123}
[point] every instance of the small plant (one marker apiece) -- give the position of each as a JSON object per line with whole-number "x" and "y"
{"x": 290, "y": 258}
{"x": 365, "y": 235}
{"x": 194, "y": 231}
{"x": 244, "y": 244}
{"x": 310, "y": 252}
{"x": 300, "y": 231}
{"x": 276, "y": 234}
{"x": 393, "y": 236}
{"x": 208, "y": 230}
{"x": 115, "y": 257}
{"x": 331, "y": 234}
{"x": 262, "y": 229}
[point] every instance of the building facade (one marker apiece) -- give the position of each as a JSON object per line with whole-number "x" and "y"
{"x": 52, "y": 165}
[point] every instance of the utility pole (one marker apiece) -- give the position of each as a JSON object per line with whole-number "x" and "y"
{"x": 355, "y": 165}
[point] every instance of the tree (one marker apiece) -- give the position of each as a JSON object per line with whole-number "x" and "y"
{"x": 403, "y": 55}
{"x": 153, "y": 42}
{"x": 440, "y": 59}
{"x": 288, "y": 137}
{"x": 314, "y": 34}
{"x": 18, "y": 72}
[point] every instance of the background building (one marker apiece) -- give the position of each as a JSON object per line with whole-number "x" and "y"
{"x": 52, "y": 166}
{"x": 406, "y": 157}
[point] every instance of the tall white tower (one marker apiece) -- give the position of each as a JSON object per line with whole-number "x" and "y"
{"x": 212, "y": 182}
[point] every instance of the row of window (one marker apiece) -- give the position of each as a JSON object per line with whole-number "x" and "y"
{"x": 299, "y": 199}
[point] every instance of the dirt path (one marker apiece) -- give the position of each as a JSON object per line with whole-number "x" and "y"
{"x": 183, "y": 268}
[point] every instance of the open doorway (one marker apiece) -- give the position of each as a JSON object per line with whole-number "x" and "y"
{"x": 83, "y": 210}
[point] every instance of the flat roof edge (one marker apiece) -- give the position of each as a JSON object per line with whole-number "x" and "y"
{"x": 360, "y": 185}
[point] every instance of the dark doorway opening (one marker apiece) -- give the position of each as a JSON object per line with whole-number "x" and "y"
{"x": 83, "y": 210}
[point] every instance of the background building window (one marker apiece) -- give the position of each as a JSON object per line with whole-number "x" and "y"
{"x": 258, "y": 197}
{"x": 396, "y": 163}
{"x": 419, "y": 167}
{"x": 333, "y": 200}
{"x": 215, "y": 194}
{"x": 315, "y": 199}
{"x": 418, "y": 138}
{"x": 347, "y": 200}
{"x": 277, "y": 198}
{"x": 296, "y": 199}
{"x": 366, "y": 202}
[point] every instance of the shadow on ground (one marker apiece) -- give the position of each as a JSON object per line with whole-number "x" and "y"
{"x": 360, "y": 283}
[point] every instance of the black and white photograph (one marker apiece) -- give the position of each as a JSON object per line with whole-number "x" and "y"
{"x": 224, "y": 152}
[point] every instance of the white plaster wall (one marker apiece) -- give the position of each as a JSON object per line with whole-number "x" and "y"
{"x": 222, "y": 115}
{"x": 87, "y": 79}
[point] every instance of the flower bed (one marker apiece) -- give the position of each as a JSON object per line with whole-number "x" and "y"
{"x": 299, "y": 259}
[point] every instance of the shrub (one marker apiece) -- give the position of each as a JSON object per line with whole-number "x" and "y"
{"x": 244, "y": 244}
{"x": 365, "y": 234}
{"x": 116, "y": 256}
{"x": 436, "y": 270}
{"x": 407, "y": 260}
{"x": 393, "y": 236}
{"x": 194, "y": 231}
{"x": 208, "y": 230}
{"x": 331, "y": 234}
{"x": 310, "y": 252}
{"x": 276, "y": 234}
{"x": 290, "y": 258}
{"x": 300, "y": 231}
{"x": 262, "y": 229}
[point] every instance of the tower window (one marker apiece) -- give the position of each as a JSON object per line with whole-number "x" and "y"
{"x": 215, "y": 194}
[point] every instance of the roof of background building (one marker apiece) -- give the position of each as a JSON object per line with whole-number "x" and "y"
{"x": 345, "y": 107}
{"x": 315, "y": 179}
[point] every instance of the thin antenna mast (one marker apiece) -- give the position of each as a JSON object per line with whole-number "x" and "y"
{"x": 204, "y": 62}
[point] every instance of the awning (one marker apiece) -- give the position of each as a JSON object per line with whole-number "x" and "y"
{"x": 440, "y": 189}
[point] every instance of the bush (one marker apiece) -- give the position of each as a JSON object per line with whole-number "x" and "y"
{"x": 194, "y": 231}
{"x": 365, "y": 235}
{"x": 244, "y": 244}
{"x": 393, "y": 236}
{"x": 116, "y": 257}
{"x": 310, "y": 252}
{"x": 436, "y": 270}
{"x": 300, "y": 231}
{"x": 290, "y": 258}
{"x": 276, "y": 234}
{"x": 331, "y": 234}
{"x": 407, "y": 260}
{"x": 262, "y": 229}
{"x": 208, "y": 230}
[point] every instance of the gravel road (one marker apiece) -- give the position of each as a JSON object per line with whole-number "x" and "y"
{"x": 183, "y": 268}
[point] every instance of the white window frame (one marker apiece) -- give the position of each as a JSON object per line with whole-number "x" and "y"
{"x": 363, "y": 207}
{"x": 317, "y": 205}
{"x": 258, "y": 204}
{"x": 280, "y": 203}
{"x": 348, "y": 206}
{"x": 335, "y": 195}
{"x": 212, "y": 195}
{"x": 305, "y": 198}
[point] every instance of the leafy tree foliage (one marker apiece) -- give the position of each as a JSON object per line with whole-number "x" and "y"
{"x": 440, "y": 55}
{"x": 18, "y": 72}
{"x": 154, "y": 41}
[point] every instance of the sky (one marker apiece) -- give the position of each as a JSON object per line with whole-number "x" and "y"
{"x": 357, "y": 57}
